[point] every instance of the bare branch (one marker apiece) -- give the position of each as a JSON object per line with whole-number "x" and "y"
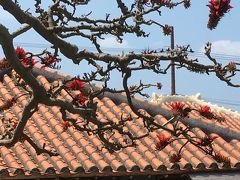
{"x": 21, "y": 31}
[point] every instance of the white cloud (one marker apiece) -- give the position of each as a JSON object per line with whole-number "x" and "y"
{"x": 111, "y": 42}
{"x": 226, "y": 47}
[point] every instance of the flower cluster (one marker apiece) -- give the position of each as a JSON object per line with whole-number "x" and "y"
{"x": 187, "y": 4}
{"x": 206, "y": 141}
{"x": 167, "y": 30}
{"x": 4, "y": 64}
{"x": 50, "y": 61}
{"x": 21, "y": 54}
{"x": 13, "y": 123}
{"x": 145, "y": 2}
{"x": 177, "y": 106}
{"x": 149, "y": 51}
{"x": 65, "y": 125}
{"x": 27, "y": 61}
{"x": 179, "y": 109}
{"x": 159, "y": 85}
{"x": 206, "y": 112}
{"x": 7, "y": 104}
{"x": 175, "y": 157}
{"x": 75, "y": 84}
{"x": 80, "y": 99}
{"x": 220, "y": 158}
{"x": 163, "y": 141}
{"x": 217, "y": 10}
{"x": 231, "y": 66}
{"x": 162, "y": 2}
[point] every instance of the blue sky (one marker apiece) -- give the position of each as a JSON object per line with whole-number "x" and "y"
{"x": 190, "y": 28}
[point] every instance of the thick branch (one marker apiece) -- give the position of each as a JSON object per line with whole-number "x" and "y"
{"x": 66, "y": 48}
{"x": 26, "y": 114}
{"x": 9, "y": 51}
{"x": 20, "y": 31}
{"x": 37, "y": 148}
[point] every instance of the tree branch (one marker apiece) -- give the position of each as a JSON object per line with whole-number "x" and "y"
{"x": 20, "y": 31}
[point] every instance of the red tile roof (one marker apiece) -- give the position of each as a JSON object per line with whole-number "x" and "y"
{"x": 82, "y": 155}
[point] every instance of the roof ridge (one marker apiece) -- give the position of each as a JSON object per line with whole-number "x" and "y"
{"x": 193, "y": 98}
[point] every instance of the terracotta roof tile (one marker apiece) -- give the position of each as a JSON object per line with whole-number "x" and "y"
{"x": 81, "y": 153}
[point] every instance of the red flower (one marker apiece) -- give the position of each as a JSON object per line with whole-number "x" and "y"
{"x": 231, "y": 66}
{"x": 178, "y": 109}
{"x": 145, "y": 1}
{"x": 217, "y": 10}
{"x": 65, "y": 125}
{"x": 149, "y": 51}
{"x": 163, "y": 141}
{"x": 75, "y": 84}
{"x": 51, "y": 62}
{"x": 177, "y": 106}
{"x": 29, "y": 62}
{"x": 205, "y": 111}
{"x": 4, "y": 64}
{"x": 14, "y": 125}
{"x": 220, "y": 158}
{"x": 80, "y": 99}
{"x": 167, "y": 30}
{"x": 207, "y": 140}
{"x": 159, "y": 85}
{"x": 7, "y": 104}
{"x": 187, "y": 3}
{"x": 175, "y": 157}
{"x": 20, "y": 53}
